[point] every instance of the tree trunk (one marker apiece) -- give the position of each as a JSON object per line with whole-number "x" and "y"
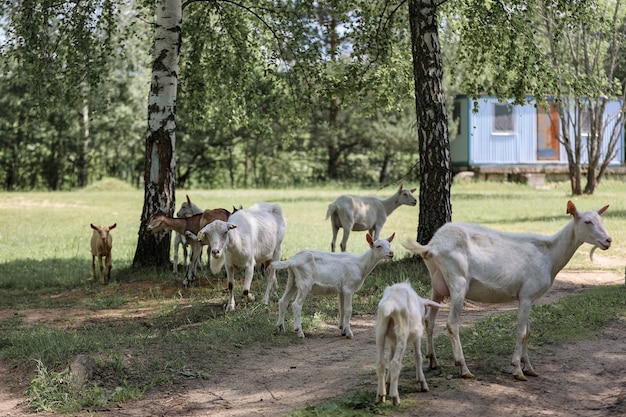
{"x": 333, "y": 148}
{"x": 160, "y": 168}
{"x": 432, "y": 120}
{"x": 333, "y": 162}
{"x": 83, "y": 157}
{"x": 575, "y": 178}
{"x": 385, "y": 168}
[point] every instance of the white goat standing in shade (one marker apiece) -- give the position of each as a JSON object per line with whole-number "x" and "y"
{"x": 484, "y": 265}
{"x": 327, "y": 273}
{"x": 101, "y": 244}
{"x": 251, "y": 236}
{"x": 399, "y": 321}
{"x": 359, "y": 213}
{"x": 187, "y": 209}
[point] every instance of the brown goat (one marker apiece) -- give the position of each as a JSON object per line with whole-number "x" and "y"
{"x": 187, "y": 209}
{"x": 101, "y": 244}
{"x": 161, "y": 222}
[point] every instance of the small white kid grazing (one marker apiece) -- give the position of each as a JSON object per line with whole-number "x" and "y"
{"x": 361, "y": 213}
{"x": 467, "y": 261}
{"x": 399, "y": 321}
{"x": 327, "y": 273}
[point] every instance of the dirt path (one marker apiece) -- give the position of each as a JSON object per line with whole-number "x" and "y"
{"x": 587, "y": 378}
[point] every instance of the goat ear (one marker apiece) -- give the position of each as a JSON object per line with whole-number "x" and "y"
{"x": 571, "y": 209}
{"x": 390, "y": 238}
{"x": 603, "y": 209}
{"x": 93, "y": 227}
{"x": 413, "y": 190}
{"x": 369, "y": 239}
{"x": 113, "y": 226}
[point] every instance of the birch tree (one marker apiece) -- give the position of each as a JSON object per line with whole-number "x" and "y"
{"x": 160, "y": 166}
{"x": 568, "y": 50}
{"x": 585, "y": 44}
{"x": 432, "y": 120}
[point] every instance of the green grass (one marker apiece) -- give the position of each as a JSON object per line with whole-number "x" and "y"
{"x": 46, "y": 263}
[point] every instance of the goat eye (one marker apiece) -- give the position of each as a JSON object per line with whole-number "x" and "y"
{"x": 588, "y": 222}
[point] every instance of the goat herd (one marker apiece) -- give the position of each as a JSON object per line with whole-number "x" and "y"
{"x": 465, "y": 261}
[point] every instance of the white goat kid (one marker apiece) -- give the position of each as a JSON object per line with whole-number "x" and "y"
{"x": 359, "y": 213}
{"x": 252, "y": 236}
{"x": 187, "y": 209}
{"x": 399, "y": 321}
{"x": 101, "y": 244}
{"x": 484, "y": 265}
{"x": 327, "y": 273}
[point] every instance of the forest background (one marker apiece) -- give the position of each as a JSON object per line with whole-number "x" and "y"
{"x": 272, "y": 94}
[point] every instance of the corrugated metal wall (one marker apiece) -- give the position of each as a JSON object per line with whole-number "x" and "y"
{"x": 612, "y": 109}
{"x": 488, "y": 147}
{"x": 477, "y": 143}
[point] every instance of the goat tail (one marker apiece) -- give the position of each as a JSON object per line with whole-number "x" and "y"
{"x": 279, "y": 264}
{"x": 416, "y": 248}
{"x": 216, "y": 264}
{"x": 385, "y": 310}
{"x": 331, "y": 209}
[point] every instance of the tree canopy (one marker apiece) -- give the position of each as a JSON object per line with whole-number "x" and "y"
{"x": 306, "y": 86}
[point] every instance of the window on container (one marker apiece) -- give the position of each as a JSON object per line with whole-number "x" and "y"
{"x": 503, "y": 121}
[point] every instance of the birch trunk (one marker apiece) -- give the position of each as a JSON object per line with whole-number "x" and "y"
{"x": 432, "y": 120}
{"x": 159, "y": 173}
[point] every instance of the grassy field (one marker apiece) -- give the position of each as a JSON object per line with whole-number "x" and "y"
{"x": 45, "y": 263}
{"x": 55, "y": 226}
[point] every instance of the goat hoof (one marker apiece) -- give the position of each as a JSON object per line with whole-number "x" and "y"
{"x": 520, "y": 377}
{"x": 468, "y": 375}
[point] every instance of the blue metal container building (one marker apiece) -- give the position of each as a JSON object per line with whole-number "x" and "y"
{"x": 493, "y": 133}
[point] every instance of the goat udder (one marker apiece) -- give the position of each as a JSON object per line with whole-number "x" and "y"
{"x": 440, "y": 287}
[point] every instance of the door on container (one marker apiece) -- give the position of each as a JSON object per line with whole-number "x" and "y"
{"x": 548, "y": 132}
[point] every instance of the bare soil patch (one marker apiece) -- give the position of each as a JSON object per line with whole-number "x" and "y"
{"x": 587, "y": 378}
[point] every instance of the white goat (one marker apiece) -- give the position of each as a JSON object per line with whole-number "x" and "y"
{"x": 101, "y": 244}
{"x": 252, "y": 236}
{"x": 399, "y": 321}
{"x": 358, "y": 213}
{"x": 484, "y": 265}
{"x": 326, "y": 273}
{"x": 187, "y": 209}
